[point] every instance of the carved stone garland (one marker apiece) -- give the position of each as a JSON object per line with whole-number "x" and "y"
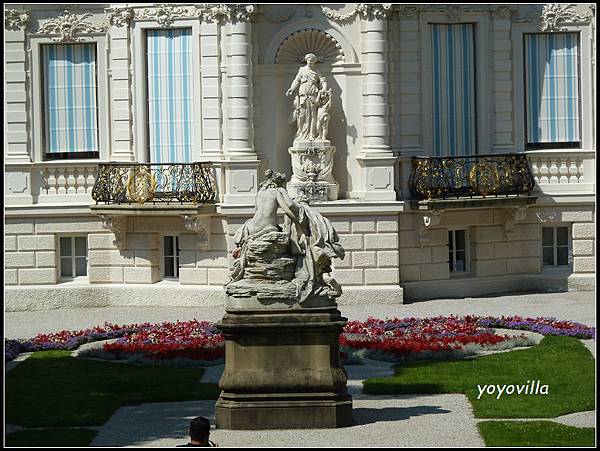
{"x": 555, "y": 15}
{"x": 366, "y": 11}
{"x": 68, "y": 26}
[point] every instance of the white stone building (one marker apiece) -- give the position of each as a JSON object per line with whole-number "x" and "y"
{"x": 413, "y": 86}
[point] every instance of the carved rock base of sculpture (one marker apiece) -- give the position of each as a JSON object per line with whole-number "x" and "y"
{"x": 312, "y": 166}
{"x": 283, "y": 370}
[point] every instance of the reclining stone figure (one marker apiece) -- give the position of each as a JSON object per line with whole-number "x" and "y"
{"x": 287, "y": 264}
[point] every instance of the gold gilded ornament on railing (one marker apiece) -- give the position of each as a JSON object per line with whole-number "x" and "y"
{"x": 484, "y": 179}
{"x": 141, "y": 184}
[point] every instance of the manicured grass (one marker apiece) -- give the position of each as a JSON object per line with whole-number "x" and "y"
{"x": 53, "y": 389}
{"x": 563, "y": 363}
{"x": 534, "y": 433}
{"x": 52, "y": 437}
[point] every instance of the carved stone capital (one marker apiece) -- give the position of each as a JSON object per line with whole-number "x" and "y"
{"x": 199, "y": 224}
{"x": 427, "y": 222}
{"x": 511, "y": 216}
{"x": 556, "y": 15}
{"x": 119, "y": 17}
{"x": 67, "y": 26}
{"x": 118, "y": 226}
{"x": 16, "y": 19}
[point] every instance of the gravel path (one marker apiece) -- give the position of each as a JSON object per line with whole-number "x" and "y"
{"x": 407, "y": 420}
{"x": 575, "y": 306}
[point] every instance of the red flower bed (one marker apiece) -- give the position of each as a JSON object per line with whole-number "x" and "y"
{"x": 196, "y": 340}
{"x": 410, "y": 337}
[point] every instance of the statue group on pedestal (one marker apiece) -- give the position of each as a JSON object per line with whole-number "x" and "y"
{"x": 295, "y": 258}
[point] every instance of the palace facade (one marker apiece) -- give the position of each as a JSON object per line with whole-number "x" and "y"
{"x": 136, "y": 137}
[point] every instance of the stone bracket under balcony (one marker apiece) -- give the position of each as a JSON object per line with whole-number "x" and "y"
{"x": 115, "y": 217}
{"x": 431, "y": 212}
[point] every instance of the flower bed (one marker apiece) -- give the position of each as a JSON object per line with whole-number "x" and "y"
{"x": 544, "y": 326}
{"x": 427, "y": 338}
{"x": 193, "y": 340}
{"x": 390, "y": 339}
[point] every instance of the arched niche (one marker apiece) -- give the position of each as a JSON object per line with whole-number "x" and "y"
{"x": 302, "y": 35}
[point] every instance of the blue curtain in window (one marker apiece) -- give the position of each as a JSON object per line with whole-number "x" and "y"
{"x": 453, "y": 76}
{"x": 169, "y": 63}
{"x": 552, "y": 81}
{"x": 71, "y": 110}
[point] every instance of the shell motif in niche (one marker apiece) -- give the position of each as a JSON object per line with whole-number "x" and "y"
{"x": 293, "y": 48}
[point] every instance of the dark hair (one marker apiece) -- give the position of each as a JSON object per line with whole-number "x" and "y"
{"x": 199, "y": 428}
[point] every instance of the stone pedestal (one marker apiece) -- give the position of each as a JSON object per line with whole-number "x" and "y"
{"x": 283, "y": 370}
{"x": 312, "y": 166}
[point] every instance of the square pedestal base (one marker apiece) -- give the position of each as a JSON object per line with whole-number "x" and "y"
{"x": 284, "y": 411}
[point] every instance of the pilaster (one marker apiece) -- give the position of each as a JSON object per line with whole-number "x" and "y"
{"x": 376, "y": 160}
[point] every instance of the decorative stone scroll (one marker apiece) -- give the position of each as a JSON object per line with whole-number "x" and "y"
{"x": 548, "y": 216}
{"x": 68, "y": 26}
{"x": 118, "y": 226}
{"x": 119, "y": 17}
{"x": 199, "y": 224}
{"x": 510, "y": 217}
{"x": 16, "y": 19}
{"x": 428, "y": 221}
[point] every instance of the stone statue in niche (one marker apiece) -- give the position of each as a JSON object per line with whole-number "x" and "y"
{"x": 310, "y": 85}
{"x": 288, "y": 265}
{"x": 311, "y": 151}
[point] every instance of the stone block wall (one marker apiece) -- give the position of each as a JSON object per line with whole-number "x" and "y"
{"x": 371, "y": 244}
{"x": 31, "y": 247}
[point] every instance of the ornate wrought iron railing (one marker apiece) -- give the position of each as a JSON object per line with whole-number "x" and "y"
{"x": 477, "y": 175}
{"x": 154, "y": 182}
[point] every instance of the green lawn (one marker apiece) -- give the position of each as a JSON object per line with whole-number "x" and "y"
{"x": 51, "y": 437}
{"x": 534, "y": 433}
{"x": 53, "y": 389}
{"x": 563, "y": 363}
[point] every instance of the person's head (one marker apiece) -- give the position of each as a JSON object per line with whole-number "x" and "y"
{"x": 199, "y": 429}
{"x": 311, "y": 59}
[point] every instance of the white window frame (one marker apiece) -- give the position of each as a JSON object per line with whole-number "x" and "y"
{"x": 554, "y": 226}
{"x": 467, "y": 270}
{"x": 177, "y": 257}
{"x": 483, "y": 107}
{"x": 37, "y": 99}
{"x": 587, "y": 99}
{"x": 140, "y": 118}
{"x": 74, "y": 277}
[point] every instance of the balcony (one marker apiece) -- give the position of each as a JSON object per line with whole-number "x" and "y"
{"x": 470, "y": 181}
{"x": 187, "y": 190}
{"x": 139, "y": 183}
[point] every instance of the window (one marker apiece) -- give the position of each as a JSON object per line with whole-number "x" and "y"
{"x": 457, "y": 251}
{"x": 555, "y": 245}
{"x": 70, "y": 103}
{"x": 73, "y": 256}
{"x": 552, "y": 84}
{"x": 171, "y": 256}
{"x": 453, "y": 89}
{"x": 169, "y": 93}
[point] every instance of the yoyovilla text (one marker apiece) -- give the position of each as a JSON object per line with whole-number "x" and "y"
{"x": 529, "y": 388}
